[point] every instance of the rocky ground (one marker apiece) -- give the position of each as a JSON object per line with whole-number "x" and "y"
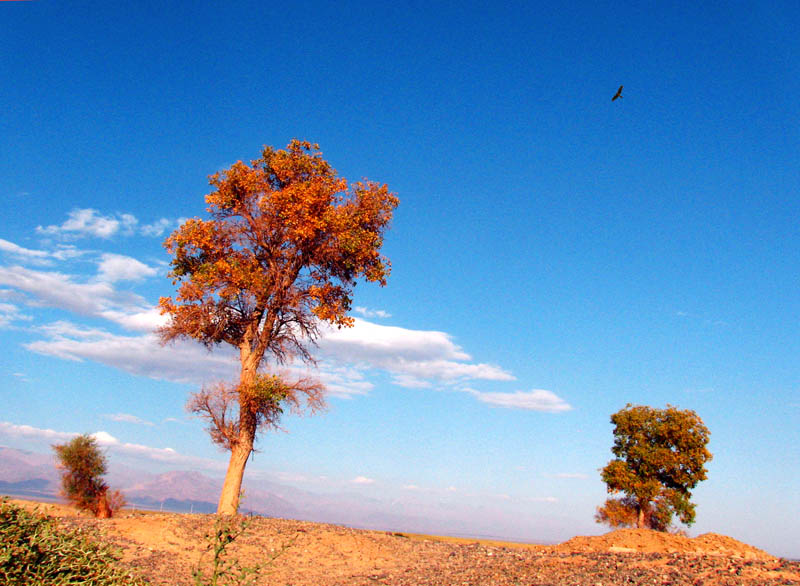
{"x": 165, "y": 548}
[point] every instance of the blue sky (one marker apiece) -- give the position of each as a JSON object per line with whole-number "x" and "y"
{"x": 555, "y": 255}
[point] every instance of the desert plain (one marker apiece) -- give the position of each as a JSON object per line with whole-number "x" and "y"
{"x": 164, "y": 548}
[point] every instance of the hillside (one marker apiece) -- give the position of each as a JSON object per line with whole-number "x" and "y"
{"x": 164, "y": 548}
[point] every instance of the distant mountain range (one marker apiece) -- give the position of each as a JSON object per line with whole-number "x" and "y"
{"x": 34, "y": 475}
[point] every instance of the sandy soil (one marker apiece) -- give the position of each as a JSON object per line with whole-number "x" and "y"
{"x": 164, "y": 548}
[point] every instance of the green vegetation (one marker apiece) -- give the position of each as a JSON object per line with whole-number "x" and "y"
{"x": 660, "y": 455}
{"x": 226, "y": 570}
{"x": 35, "y": 551}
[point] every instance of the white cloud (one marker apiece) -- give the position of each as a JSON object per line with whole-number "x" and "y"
{"x": 107, "y": 440}
{"x": 10, "y": 313}
{"x": 88, "y": 222}
{"x": 83, "y": 222}
{"x": 58, "y": 290}
{"x": 413, "y": 358}
{"x": 162, "y": 454}
{"x": 141, "y": 320}
{"x": 343, "y": 381}
{"x": 117, "y": 267}
{"x": 364, "y": 312}
{"x": 376, "y": 342}
{"x": 66, "y": 252}
{"x": 183, "y": 361}
{"x": 411, "y": 355}
{"x": 129, "y": 223}
{"x": 19, "y": 251}
{"x": 40, "y": 257}
{"x": 363, "y": 480}
{"x": 536, "y": 400}
{"x": 128, "y": 418}
{"x": 543, "y": 499}
{"x": 410, "y": 382}
{"x": 7, "y": 428}
{"x": 93, "y": 299}
{"x": 571, "y": 475}
{"x": 157, "y": 228}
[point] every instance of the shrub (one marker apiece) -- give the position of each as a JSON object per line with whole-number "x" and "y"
{"x": 35, "y": 551}
{"x": 83, "y": 466}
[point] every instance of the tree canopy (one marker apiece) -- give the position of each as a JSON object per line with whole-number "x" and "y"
{"x": 83, "y": 466}
{"x": 286, "y": 241}
{"x": 285, "y": 244}
{"x": 660, "y": 457}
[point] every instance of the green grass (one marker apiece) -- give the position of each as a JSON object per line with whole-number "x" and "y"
{"x": 35, "y": 551}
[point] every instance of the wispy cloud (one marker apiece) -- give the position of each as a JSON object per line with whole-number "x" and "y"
{"x": 82, "y": 222}
{"x": 698, "y": 318}
{"x": 158, "y": 227}
{"x": 542, "y": 499}
{"x": 56, "y": 289}
{"x": 535, "y": 400}
{"x": 19, "y": 251}
{"x": 363, "y": 480}
{"x": 107, "y": 440}
{"x": 411, "y": 382}
{"x": 369, "y": 313}
{"x": 89, "y": 222}
{"x": 37, "y": 256}
{"x": 10, "y": 313}
{"x": 142, "y": 355}
{"x": 93, "y": 299}
{"x": 571, "y": 475}
{"x": 128, "y": 418}
{"x": 343, "y": 381}
{"x": 13, "y": 430}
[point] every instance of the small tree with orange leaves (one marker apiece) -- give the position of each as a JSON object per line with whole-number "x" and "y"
{"x": 286, "y": 242}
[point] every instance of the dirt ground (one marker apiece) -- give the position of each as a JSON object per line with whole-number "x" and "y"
{"x": 165, "y": 548}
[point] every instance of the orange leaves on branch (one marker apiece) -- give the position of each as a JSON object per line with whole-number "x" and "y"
{"x": 286, "y": 241}
{"x": 261, "y": 402}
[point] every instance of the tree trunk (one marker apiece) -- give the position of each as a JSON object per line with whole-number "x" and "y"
{"x": 103, "y": 511}
{"x": 241, "y": 449}
{"x": 232, "y": 488}
{"x": 640, "y": 522}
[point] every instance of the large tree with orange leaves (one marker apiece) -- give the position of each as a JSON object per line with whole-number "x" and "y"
{"x": 286, "y": 241}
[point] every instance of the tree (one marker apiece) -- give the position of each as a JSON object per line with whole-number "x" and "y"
{"x": 83, "y": 466}
{"x": 286, "y": 242}
{"x": 660, "y": 456}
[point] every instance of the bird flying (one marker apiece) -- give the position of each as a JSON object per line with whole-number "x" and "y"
{"x": 618, "y": 94}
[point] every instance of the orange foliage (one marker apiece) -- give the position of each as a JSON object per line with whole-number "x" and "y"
{"x": 285, "y": 244}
